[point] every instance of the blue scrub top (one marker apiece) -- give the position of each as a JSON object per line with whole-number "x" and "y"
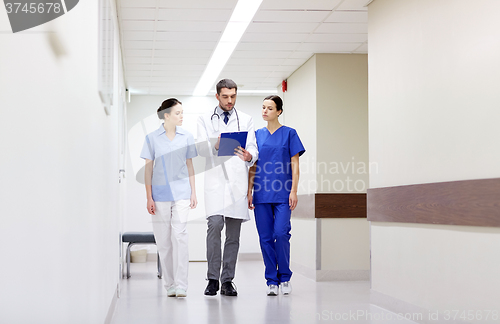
{"x": 170, "y": 174}
{"x": 273, "y": 174}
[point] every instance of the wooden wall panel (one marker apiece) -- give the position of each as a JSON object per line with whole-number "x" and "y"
{"x": 339, "y": 205}
{"x": 331, "y": 205}
{"x": 467, "y": 202}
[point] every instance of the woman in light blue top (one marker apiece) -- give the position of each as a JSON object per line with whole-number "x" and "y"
{"x": 274, "y": 180}
{"x": 170, "y": 190}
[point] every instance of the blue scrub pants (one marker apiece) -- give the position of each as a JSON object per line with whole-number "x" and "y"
{"x": 273, "y": 225}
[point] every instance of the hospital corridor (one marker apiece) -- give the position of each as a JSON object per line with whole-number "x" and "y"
{"x": 285, "y": 161}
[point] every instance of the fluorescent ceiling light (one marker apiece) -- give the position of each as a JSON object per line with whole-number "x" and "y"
{"x": 240, "y": 19}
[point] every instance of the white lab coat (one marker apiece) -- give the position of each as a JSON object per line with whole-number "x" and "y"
{"x": 223, "y": 196}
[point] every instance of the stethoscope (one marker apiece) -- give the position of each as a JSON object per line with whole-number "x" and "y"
{"x": 215, "y": 114}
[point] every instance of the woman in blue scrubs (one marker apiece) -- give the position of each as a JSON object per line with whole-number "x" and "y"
{"x": 274, "y": 180}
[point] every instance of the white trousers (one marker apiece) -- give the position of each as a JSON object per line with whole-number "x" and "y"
{"x": 169, "y": 227}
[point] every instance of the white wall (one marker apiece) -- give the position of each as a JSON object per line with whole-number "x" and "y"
{"x": 142, "y": 119}
{"x": 342, "y": 123}
{"x": 434, "y": 99}
{"x": 345, "y": 247}
{"x": 342, "y": 157}
{"x": 59, "y": 171}
{"x": 326, "y": 102}
{"x": 299, "y": 112}
{"x": 434, "y": 76}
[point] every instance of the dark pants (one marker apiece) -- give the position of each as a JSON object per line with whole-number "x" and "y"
{"x": 231, "y": 247}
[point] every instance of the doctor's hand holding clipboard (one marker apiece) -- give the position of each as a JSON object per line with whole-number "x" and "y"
{"x": 232, "y": 143}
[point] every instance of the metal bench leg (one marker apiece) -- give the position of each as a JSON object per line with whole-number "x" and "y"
{"x": 128, "y": 260}
{"x": 160, "y": 274}
{"x": 159, "y": 264}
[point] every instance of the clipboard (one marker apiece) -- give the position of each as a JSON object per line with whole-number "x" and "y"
{"x": 230, "y": 141}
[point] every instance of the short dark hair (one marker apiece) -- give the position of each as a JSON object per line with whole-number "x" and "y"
{"x": 226, "y": 83}
{"x": 166, "y": 107}
{"x": 277, "y": 100}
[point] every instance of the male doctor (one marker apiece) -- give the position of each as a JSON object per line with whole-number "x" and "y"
{"x": 226, "y": 185}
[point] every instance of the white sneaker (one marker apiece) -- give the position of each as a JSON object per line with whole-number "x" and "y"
{"x": 181, "y": 293}
{"x": 272, "y": 290}
{"x": 171, "y": 292}
{"x": 286, "y": 288}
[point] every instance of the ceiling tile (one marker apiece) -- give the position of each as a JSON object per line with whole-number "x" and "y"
{"x": 270, "y": 84}
{"x": 137, "y": 79}
{"x": 247, "y": 68}
{"x": 134, "y": 84}
{"x": 301, "y": 54}
{"x": 184, "y": 67}
{"x": 348, "y": 16}
{"x": 362, "y": 49}
{"x": 138, "y": 36}
{"x": 255, "y": 61}
{"x": 274, "y": 37}
{"x": 258, "y": 27}
{"x": 177, "y": 67}
{"x": 185, "y": 45}
{"x": 193, "y": 4}
{"x": 139, "y": 67}
{"x": 260, "y": 54}
{"x": 137, "y": 4}
{"x": 174, "y": 82}
{"x": 285, "y": 68}
{"x": 180, "y": 60}
{"x": 337, "y": 38}
{"x": 192, "y": 36}
{"x": 139, "y": 60}
{"x": 194, "y": 15}
{"x": 267, "y": 46}
{"x": 244, "y": 74}
{"x": 173, "y": 74}
{"x": 329, "y": 47}
{"x": 353, "y": 5}
{"x": 279, "y": 75}
{"x": 294, "y": 62}
{"x": 137, "y": 44}
{"x": 198, "y": 4}
{"x": 137, "y": 13}
{"x": 169, "y": 54}
{"x": 190, "y": 26}
{"x": 127, "y": 25}
{"x": 292, "y": 16}
{"x": 244, "y": 81}
{"x": 137, "y": 53}
{"x": 137, "y": 73}
{"x": 173, "y": 89}
{"x": 347, "y": 28}
{"x": 159, "y": 53}
{"x": 260, "y": 86}
{"x": 299, "y": 4}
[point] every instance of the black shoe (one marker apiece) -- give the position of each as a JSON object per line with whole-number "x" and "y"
{"x": 212, "y": 287}
{"x": 228, "y": 289}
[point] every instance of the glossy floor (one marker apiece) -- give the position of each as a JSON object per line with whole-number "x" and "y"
{"x": 144, "y": 300}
